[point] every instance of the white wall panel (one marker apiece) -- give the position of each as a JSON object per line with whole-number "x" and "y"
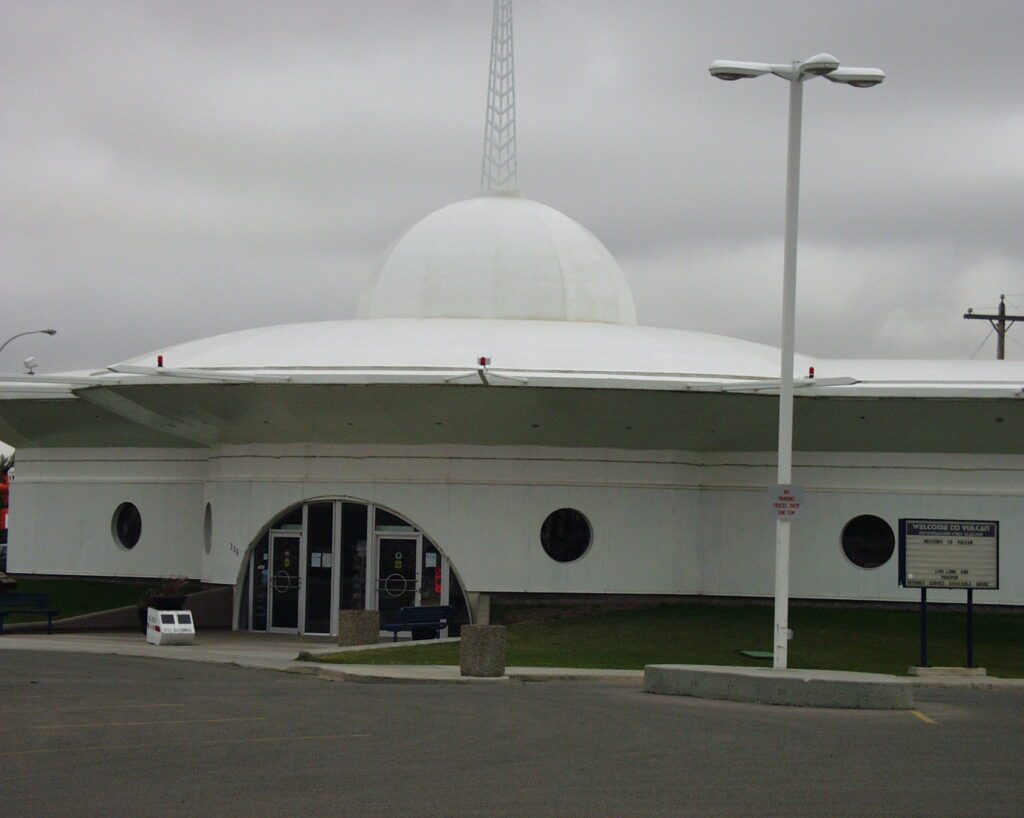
{"x": 743, "y": 561}
{"x": 67, "y": 530}
{"x": 662, "y": 523}
{"x": 68, "y": 497}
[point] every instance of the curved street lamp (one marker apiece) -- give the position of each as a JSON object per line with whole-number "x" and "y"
{"x": 29, "y": 332}
{"x": 796, "y": 73}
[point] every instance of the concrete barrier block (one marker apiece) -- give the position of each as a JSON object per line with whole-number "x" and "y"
{"x": 358, "y": 627}
{"x": 482, "y": 650}
{"x": 947, "y": 671}
{"x": 796, "y": 688}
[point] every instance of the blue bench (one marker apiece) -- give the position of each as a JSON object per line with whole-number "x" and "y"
{"x": 27, "y": 604}
{"x": 422, "y": 622}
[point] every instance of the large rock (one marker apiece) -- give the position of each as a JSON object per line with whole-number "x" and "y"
{"x": 358, "y": 627}
{"x": 482, "y": 650}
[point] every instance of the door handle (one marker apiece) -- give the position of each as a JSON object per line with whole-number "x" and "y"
{"x": 283, "y": 582}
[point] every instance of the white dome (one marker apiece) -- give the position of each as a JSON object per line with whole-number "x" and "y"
{"x": 499, "y": 256}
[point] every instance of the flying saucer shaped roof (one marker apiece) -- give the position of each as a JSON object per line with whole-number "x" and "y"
{"x": 566, "y": 354}
{"x": 549, "y": 353}
{"x": 447, "y": 346}
{"x": 499, "y": 256}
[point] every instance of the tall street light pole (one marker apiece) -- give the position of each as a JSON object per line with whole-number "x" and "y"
{"x": 796, "y": 73}
{"x": 29, "y": 332}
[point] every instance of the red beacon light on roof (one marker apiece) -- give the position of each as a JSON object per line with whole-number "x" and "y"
{"x": 484, "y": 360}
{"x": 160, "y": 361}
{"x": 810, "y": 372}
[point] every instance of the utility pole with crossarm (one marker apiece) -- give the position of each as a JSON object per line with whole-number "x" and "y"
{"x": 1001, "y": 323}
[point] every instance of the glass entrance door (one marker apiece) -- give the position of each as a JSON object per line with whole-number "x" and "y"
{"x": 398, "y": 561}
{"x": 326, "y": 556}
{"x": 285, "y": 582}
{"x": 319, "y": 577}
{"x": 431, "y": 582}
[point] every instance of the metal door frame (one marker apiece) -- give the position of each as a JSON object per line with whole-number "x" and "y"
{"x": 301, "y": 617}
{"x": 335, "y": 566}
{"x": 396, "y": 535}
{"x": 335, "y": 553}
{"x": 372, "y": 570}
{"x": 445, "y": 581}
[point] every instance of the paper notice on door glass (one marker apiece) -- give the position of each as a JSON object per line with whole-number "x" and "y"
{"x": 430, "y": 559}
{"x": 314, "y": 559}
{"x": 325, "y": 561}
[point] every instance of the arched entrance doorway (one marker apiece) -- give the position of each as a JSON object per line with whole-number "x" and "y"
{"x": 325, "y": 556}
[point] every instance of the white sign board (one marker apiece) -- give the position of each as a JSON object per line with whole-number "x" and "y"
{"x": 949, "y": 554}
{"x": 786, "y": 500}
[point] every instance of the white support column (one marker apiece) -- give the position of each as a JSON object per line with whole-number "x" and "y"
{"x": 336, "y": 578}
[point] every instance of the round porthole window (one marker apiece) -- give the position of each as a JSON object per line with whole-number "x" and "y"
{"x": 127, "y": 525}
{"x": 208, "y": 528}
{"x": 565, "y": 535}
{"x": 868, "y": 541}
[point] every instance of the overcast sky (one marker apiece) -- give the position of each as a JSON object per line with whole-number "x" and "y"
{"x": 179, "y": 169}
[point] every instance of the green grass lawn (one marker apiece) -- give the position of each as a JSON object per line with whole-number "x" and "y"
{"x": 79, "y": 596}
{"x": 881, "y": 641}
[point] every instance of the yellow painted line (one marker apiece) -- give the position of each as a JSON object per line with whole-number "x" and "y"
{"x": 162, "y": 744}
{"x": 26, "y": 697}
{"x": 84, "y": 707}
{"x": 926, "y": 719}
{"x": 146, "y": 723}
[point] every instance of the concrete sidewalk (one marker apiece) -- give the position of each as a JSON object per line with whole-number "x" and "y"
{"x": 276, "y": 652}
{"x": 280, "y": 652}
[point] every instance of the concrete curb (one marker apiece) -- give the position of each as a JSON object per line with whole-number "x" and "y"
{"x": 570, "y": 675}
{"x": 272, "y": 654}
{"x": 917, "y": 670}
{"x": 311, "y": 655}
{"x": 430, "y": 676}
{"x": 450, "y": 674}
{"x": 793, "y": 688}
{"x": 967, "y": 683}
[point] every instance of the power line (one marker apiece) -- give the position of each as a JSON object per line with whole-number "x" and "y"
{"x": 982, "y": 343}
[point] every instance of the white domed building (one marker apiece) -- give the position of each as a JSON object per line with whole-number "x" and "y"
{"x": 499, "y": 256}
{"x": 495, "y": 422}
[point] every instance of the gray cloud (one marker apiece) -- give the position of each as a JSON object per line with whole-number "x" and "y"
{"x": 174, "y": 170}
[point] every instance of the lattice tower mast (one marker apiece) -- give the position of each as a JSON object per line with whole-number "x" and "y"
{"x": 498, "y": 173}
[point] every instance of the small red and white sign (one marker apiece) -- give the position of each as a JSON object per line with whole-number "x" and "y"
{"x": 786, "y": 501}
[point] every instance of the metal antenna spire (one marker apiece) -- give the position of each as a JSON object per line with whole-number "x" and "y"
{"x": 498, "y": 172}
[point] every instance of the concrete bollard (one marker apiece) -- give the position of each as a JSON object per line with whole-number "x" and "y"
{"x": 358, "y": 627}
{"x": 482, "y": 650}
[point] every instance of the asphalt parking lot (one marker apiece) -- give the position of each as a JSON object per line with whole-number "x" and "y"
{"x": 108, "y": 735}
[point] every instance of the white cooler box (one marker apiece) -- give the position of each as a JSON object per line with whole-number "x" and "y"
{"x": 170, "y": 627}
